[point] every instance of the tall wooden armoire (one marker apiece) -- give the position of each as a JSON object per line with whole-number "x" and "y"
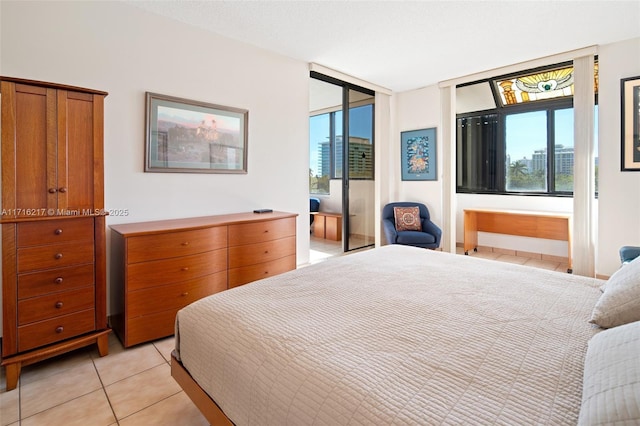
{"x": 53, "y": 222}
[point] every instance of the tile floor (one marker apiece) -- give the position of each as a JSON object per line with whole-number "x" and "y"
{"x": 134, "y": 386}
{"x": 535, "y": 260}
{"x": 127, "y": 387}
{"x": 322, "y": 249}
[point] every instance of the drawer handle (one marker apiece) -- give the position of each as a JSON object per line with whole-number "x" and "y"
{"x": 58, "y": 256}
{"x": 186, "y": 243}
{"x": 59, "y": 329}
{"x": 184, "y": 269}
{"x": 58, "y": 231}
{"x": 58, "y": 280}
{"x": 58, "y": 305}
{"x": 266, "y": 231}
{"x": 63, "y": 190}
{"x": 266, "y": 252}
{"x": 52, "y": 190}
{"x": 185, "y": 294}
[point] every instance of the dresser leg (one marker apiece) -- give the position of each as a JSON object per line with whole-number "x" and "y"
{"x": 103, "y": 344}
{"x": 12, "y": 374}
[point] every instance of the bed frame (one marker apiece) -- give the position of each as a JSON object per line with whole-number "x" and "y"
{"x": 200, "y": 398}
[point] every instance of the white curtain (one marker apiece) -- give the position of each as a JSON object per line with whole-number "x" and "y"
{"x": 583, "y": 168}
{"x": 448, "y": 126}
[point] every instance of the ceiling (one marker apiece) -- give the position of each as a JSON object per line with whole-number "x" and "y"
{"x": 404, "y": 45}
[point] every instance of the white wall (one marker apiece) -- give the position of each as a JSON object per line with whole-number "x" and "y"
{"x": 118, "y": 48}
{"x": 619, "y": 192}
{"x": 418, "y": 109}
{"x": 619, "y": 197}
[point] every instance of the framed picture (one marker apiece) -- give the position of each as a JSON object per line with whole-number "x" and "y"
{"x": 187, "y": 136}
{"x": 630, "y": 91}
{"x": 418, "y": 154}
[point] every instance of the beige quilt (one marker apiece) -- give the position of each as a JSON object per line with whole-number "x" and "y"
{"x": 394, "y": 335}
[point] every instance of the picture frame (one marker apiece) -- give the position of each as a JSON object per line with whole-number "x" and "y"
{"x": 418, "y": 153}
{"x": 630, "y": 123}
{"x": 186, "y": 136}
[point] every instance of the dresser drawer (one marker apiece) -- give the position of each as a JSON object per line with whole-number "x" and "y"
{"x": 261, "y": 252}
{"x": 246, "y": 274}
{"x": 159, "y": 272}
{"x": 52, "y": 305}
{"x": 54, "y": 255}
{"x": 174, "y": 296}
{"x": 257, "y": 232}
{"x": 150, "y": 327}
{"x": 54, "y": 280}
{"x": 55, "y": 329}
{"x": 175, "y": 244}
{"x": 54, "y": 231}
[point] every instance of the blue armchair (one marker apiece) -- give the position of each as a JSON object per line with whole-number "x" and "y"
{"x": 314, "y": 207}
{"x": 428, "y": 237}
{"x": 628, "y": 253}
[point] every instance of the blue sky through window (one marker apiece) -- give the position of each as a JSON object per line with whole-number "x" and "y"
{"x": 360, "y": 125}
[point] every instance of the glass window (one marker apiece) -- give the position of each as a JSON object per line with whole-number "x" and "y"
{"x": 526, "y": 151}
{"x": 337, "y": 150}
{"x": 478, "y": 164}
{"x": 530, "y": 148}
{"x": 563, "y": 140}
{"x": 360, "y": 142}
{"x": 325, "y": 147}
{"x": 319, "y": 150}
{"x": 548, "y": 84}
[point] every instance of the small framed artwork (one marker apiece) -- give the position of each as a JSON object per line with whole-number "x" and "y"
{"x": 630, "y": 113}
{"x": 418, "y": 154}
{"x": 185, "y": 136}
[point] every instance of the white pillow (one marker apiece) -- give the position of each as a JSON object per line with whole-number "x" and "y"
{"x": 620, "y": 302}
{"x": 611, "y": 386}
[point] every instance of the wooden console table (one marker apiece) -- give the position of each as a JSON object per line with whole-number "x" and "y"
{"x": 552, "y": 226}
{"x": 328, "y": 226}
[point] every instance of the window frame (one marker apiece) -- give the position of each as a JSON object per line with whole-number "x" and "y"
{"x": 550, "y": 106}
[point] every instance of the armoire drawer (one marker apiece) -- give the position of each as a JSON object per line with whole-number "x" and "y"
{"x": 251, "y": 254}
{"x": 174, "y": 296}
{"x": 246, "y": 274}
{"x": 54, "y": 255}
{"x": 55, "y": 329}
{"x": 54, "y": 280}
{"x": 54, "y": 231}
{"x": 174, "y": 244}
{"x": 157, "y": 272}
{"x": 257, "y": 232}
{"x": 56, "y": 304}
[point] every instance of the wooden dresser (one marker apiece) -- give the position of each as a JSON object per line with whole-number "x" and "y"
{"x": 159, "y": 267}
{"x": 53, "y": 222}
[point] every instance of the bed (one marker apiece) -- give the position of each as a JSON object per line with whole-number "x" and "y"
{"x": 395, "y": 335}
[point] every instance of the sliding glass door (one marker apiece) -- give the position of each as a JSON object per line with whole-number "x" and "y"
{"x": 342, "y": 157}
{"x": 359, "y": 180}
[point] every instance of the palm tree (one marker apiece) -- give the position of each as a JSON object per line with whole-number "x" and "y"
{"x": 518, "y": 169}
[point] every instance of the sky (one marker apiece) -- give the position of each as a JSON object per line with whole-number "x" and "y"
{"x": 526, "y": 132}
